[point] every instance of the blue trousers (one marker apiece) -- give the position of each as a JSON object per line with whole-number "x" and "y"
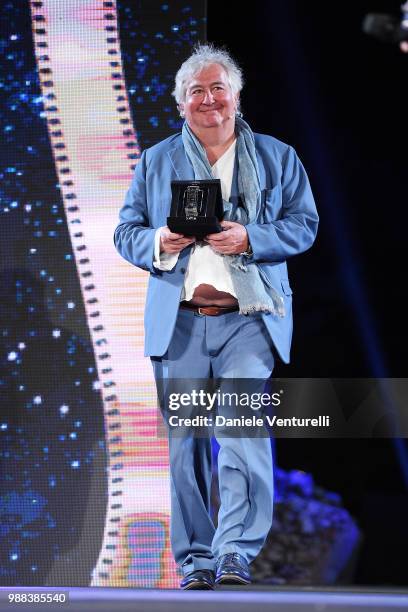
{"x": 227, "y": 346}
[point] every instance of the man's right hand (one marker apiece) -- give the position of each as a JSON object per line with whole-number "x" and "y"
{"x": 173, "y": 243}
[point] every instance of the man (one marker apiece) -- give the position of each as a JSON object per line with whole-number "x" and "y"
{"x": 218, "y": 307}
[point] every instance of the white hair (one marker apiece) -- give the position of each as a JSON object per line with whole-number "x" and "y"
{"x": 203, "y": 56}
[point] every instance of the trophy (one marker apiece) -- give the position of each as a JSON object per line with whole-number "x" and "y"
{"x": 196, "y": 207}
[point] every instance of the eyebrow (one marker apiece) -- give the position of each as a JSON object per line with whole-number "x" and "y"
{"x": 211, "y": 84}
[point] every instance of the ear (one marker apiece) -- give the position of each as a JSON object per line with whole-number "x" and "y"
{"x": 181, "y": 108}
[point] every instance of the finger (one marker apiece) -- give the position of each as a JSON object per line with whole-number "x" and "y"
{"x": 221, "y": 242}
{"x": 175, "y": 249}
{"x": 217, "y": 235}
{"x": 178, "y": 240}
{"x": 166, "y": 231}
{"x": 221, "y": 237}
{"x": 180, "y": 243}
{"x": 174, "y": 236}
{"x": 218, "y": 247}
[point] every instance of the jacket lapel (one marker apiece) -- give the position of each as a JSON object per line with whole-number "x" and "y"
{"x": 181, "y": 165}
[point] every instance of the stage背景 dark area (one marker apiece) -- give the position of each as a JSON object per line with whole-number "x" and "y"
{"x": 314, "y": 80}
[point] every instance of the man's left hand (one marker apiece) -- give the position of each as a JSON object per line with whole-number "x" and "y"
{"x": 231, "y": 241}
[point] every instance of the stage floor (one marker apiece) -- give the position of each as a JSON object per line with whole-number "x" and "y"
{"x": 230, "y": 599}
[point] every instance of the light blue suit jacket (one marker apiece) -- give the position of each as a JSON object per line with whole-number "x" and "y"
{"x": 287, "y": 225}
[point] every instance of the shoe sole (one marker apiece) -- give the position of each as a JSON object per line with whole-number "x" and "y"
{"x": 198, "y": 586}
{"x": 232, "y": 579}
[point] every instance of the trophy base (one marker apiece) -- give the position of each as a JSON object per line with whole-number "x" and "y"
{"x": 199, "y": 228}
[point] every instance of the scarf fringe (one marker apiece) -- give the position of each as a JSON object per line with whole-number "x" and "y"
{"x": 259, "y": 307}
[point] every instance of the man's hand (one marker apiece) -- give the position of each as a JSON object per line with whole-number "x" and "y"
{"x": 231, "y": 241}
{"x": 173, "y": 243}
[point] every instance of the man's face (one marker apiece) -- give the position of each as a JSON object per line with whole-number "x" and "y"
{"x": 209, "y": 100}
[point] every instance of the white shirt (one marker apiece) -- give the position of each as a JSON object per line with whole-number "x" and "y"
{"x": 205, "y": 265}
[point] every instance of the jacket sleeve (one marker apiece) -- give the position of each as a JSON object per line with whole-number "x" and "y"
{"x": 134, "y": 237}
{"x": 296, "y": 228}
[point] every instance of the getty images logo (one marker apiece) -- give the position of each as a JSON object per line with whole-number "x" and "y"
{"x": 204, "y": 399}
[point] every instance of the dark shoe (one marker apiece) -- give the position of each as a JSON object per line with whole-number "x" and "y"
{"x": 199, "y": 579}
{"x": 232, "y": 568}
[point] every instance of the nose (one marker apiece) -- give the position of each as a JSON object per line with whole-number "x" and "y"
{"x": 208, "y": 97}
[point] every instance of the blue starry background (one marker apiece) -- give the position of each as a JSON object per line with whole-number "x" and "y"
{"x": 52, "y": 439}
{"x": 156, "y": 38}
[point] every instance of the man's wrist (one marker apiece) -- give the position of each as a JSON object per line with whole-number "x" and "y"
{"x": 249, "y": 252}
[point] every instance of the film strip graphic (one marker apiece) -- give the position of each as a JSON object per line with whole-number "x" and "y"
{"x": 95, "y": 150}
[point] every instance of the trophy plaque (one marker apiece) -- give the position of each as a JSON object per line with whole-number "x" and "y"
{"x": 196, "y": 207}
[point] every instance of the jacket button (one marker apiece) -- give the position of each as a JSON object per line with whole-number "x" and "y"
{"x": 182, "y": 270}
